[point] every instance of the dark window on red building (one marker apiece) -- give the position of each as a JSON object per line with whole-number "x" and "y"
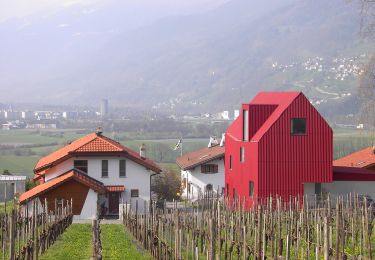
{"x": 230, "y": 162}
{"x": 251, "y": 188}
{"x": 298, "y": 126}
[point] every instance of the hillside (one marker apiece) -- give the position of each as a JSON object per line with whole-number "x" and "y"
{"x": 206, "y": 62}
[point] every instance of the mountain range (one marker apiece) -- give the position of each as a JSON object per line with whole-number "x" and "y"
{"x": 202, "y": 62}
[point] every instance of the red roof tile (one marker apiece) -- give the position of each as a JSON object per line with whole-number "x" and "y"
{"x": 115, "y": 188}
{"x": 92, "y": 143}
{"x": 202, "y": 156}
{"x": 360, "y": 159}
{"x": 72, "y": 174}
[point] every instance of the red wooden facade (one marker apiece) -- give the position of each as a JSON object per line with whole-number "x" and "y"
{"x": 277, "y": 162}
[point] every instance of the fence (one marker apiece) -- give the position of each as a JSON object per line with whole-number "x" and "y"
{"x": 26, "y": 236}
{"x": 339, "y": 229}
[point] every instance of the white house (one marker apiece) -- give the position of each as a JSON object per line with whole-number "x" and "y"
{"x": 97, "y": 173}
{"x": 202, "y": 171}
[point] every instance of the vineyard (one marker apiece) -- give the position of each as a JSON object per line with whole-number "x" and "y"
{"x": 27, "y": 235}
{"x": 272, "y": 229}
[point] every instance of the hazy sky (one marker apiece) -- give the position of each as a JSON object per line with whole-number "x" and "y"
{"x": 21, "y": 8}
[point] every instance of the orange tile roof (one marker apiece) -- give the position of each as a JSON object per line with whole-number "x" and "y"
{"x": 360, "y": 159}
{"x": 201, "y": 156}
{"x": 115, "y": 188}
{"x": 92, "y": 143}
{"x": 72, "y": 174}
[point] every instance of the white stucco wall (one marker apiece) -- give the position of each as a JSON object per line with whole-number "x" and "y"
{"x": 337, "y": 188}
{"x": 89, "y": 208}
{"x": 200, "y": 180}
{"x": 137, "y": 176}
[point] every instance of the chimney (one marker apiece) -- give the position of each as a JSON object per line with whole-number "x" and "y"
{"x": 99, "y": 130}
{"x": 142, "y": 151}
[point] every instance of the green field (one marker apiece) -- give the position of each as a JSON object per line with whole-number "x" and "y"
{"x": 75, "y": 243}
{"x": 118, "y": 243}
{"x": 21, "y": 149}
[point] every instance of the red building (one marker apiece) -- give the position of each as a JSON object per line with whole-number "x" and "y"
{"x": 278, "y": 144}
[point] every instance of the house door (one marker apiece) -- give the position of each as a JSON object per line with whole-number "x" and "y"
{"x": 114, "y": 199}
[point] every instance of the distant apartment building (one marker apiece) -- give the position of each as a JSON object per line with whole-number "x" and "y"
{"x": 12, "y": 115}
{"x": 104, "y": 107}
{"x": 70, "y": 115}
{"x": 27, "y": 115}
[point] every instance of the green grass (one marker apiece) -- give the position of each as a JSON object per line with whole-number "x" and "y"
{"x": 75, "y": 243}
{"x": 22, "y": 165}
{"x": 118, "y": 244}
{"x": 9, "y": 206}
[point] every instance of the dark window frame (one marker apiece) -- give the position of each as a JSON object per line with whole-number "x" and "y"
{"x": 209, "y": 168}
{"x": 251, "y": 188}
{"x": 134, "y": 193}
{"x": 83, "y": 168}
{"x": 230, "y": 162}
{"x": 105, "y": 168}
{"x": 298, "y": 126}
{"x": 122, "y": 172}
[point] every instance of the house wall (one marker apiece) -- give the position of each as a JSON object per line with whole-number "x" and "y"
{"x": 89, "y": 208}
{"x": 67, "y": 191}
{"x": 337, "y": 188}
{"x": 288, "y": 161}
{"x": 277, "y": 162}
{"x": 137, "y": 176}
{"x": 200, "y": 180}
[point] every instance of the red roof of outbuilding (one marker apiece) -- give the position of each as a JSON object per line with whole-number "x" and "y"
{"x": 72, "y": 174}
{"x": 91, "y": 144}
{"x": 360, "y": 159}
{"x": 201, "y": 156}
{"x": 341, "y": 173}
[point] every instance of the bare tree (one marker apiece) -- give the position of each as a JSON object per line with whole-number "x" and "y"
{"x": 367, "y": 18}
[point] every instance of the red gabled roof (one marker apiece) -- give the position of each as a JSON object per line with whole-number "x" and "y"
{"x": 278, "y": 101}
{"x": 282, "y": 99}
{"x": 360, "y": 159}
{"x": 201, "y": 156}
{"x": 91, "y": 144}
{"x": 72, "y": 174}
{"x": 342, "y": 173}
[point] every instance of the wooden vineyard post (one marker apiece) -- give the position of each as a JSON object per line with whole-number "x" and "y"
{"x": 326, "y": 243}
{"x": 11, "y": 235}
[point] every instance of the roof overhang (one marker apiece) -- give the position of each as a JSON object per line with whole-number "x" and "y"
{"x": 73, "y": 174}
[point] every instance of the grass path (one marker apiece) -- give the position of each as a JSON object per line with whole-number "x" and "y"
{"x": 75, "y": 243}
{"x": 118, "y": 243}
